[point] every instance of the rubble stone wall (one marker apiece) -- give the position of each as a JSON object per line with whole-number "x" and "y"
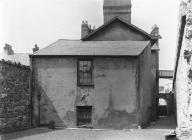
{"x": 183, "y": 71}
{"x": 14, "y": 97}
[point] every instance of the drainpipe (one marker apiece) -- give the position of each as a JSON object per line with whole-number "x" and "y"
{"x": 39, "y": 108}
{"x": 31, "y": 91}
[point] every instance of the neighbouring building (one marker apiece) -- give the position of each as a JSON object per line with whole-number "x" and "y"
{"x": 183, "y": 70}
{"x": 108, "y": 79}
{"x": 9, "y": 55}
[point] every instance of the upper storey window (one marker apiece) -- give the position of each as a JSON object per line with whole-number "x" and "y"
{"x": 84, "y": 73}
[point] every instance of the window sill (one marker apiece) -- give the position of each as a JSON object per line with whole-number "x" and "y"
{"x": 86, "y": 85}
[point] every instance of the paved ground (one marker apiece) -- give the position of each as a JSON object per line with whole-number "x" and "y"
{"x": 155, "y": 132}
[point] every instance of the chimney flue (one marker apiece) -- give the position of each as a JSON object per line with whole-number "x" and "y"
{"x": 120, "y": 8}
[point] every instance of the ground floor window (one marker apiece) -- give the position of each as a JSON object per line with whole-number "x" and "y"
{"x": 84, "y": 116}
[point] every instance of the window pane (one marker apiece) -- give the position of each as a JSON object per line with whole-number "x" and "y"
{"x": 81, "y": 77}
{"x": 89, "y": 78}
{"x": 85, "y": 72}
{"x": 81, "y": 65}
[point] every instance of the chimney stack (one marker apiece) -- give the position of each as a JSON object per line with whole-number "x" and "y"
{"x": 120, "y": 8}
{"x": 36, "y": 48}
{"x": 155, "y": 30}
{"x": 86, "y": 29}
{"x": 8, "y": 50}
{"x": 155, "y": 33}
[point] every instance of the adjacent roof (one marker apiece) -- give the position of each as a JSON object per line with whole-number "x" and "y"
{"x": 125, "y": 22}
{"x": 64, "y": 47}
{"x": 22, "y": 58}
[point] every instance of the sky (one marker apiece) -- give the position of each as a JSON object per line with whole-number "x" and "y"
{"x": 24, "y": 23}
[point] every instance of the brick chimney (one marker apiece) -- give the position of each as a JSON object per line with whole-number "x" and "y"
{"x": 8, "y": 50}
{"x": 120, "y": 8}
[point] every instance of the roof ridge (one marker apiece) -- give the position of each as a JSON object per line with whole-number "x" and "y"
{"x": 104, "y": 40}
{"x": 21, "y": 53}
{"x": 70, "y": 39}
{"x": 135, "y": 26}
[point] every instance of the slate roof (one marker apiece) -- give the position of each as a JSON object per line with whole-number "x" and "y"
{"x": 64, "y": 47}
{"x": 125, "y": 22}
{"x": 22, "y": 58}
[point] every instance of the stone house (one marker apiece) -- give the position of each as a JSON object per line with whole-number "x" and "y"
{"x": 108, "y": 79}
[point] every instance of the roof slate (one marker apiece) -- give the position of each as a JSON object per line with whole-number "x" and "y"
{"x": 64, "y": 47}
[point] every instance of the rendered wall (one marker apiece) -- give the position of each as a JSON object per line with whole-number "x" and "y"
{"x": 116, "y": 94}
{"x": 145, "y": 92}
{"x": 113, "y": 97}
{"x": 113, "y": 8}
{"x": 154, "y": 83}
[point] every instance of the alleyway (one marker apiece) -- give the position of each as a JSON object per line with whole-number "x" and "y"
{"x": 156, "y": 132}
{"x": 164, "y": 123}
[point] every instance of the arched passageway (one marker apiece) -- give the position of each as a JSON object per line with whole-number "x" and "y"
{"x": 166, "y": 98}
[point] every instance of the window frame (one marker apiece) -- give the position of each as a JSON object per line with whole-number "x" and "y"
{"x": 78, "y": 72}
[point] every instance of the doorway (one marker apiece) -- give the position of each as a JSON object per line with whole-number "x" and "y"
{"x": 162, "y": 107}
{"x": 84, "y": 116}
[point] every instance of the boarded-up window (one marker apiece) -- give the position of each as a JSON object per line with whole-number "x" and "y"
{"x": 85, "y": 77}
{"x": 84, "y": 115}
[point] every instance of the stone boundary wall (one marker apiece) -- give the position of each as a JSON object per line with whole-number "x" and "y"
{"x": 183, "y": 72}
{"x": 14, "y": 97}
